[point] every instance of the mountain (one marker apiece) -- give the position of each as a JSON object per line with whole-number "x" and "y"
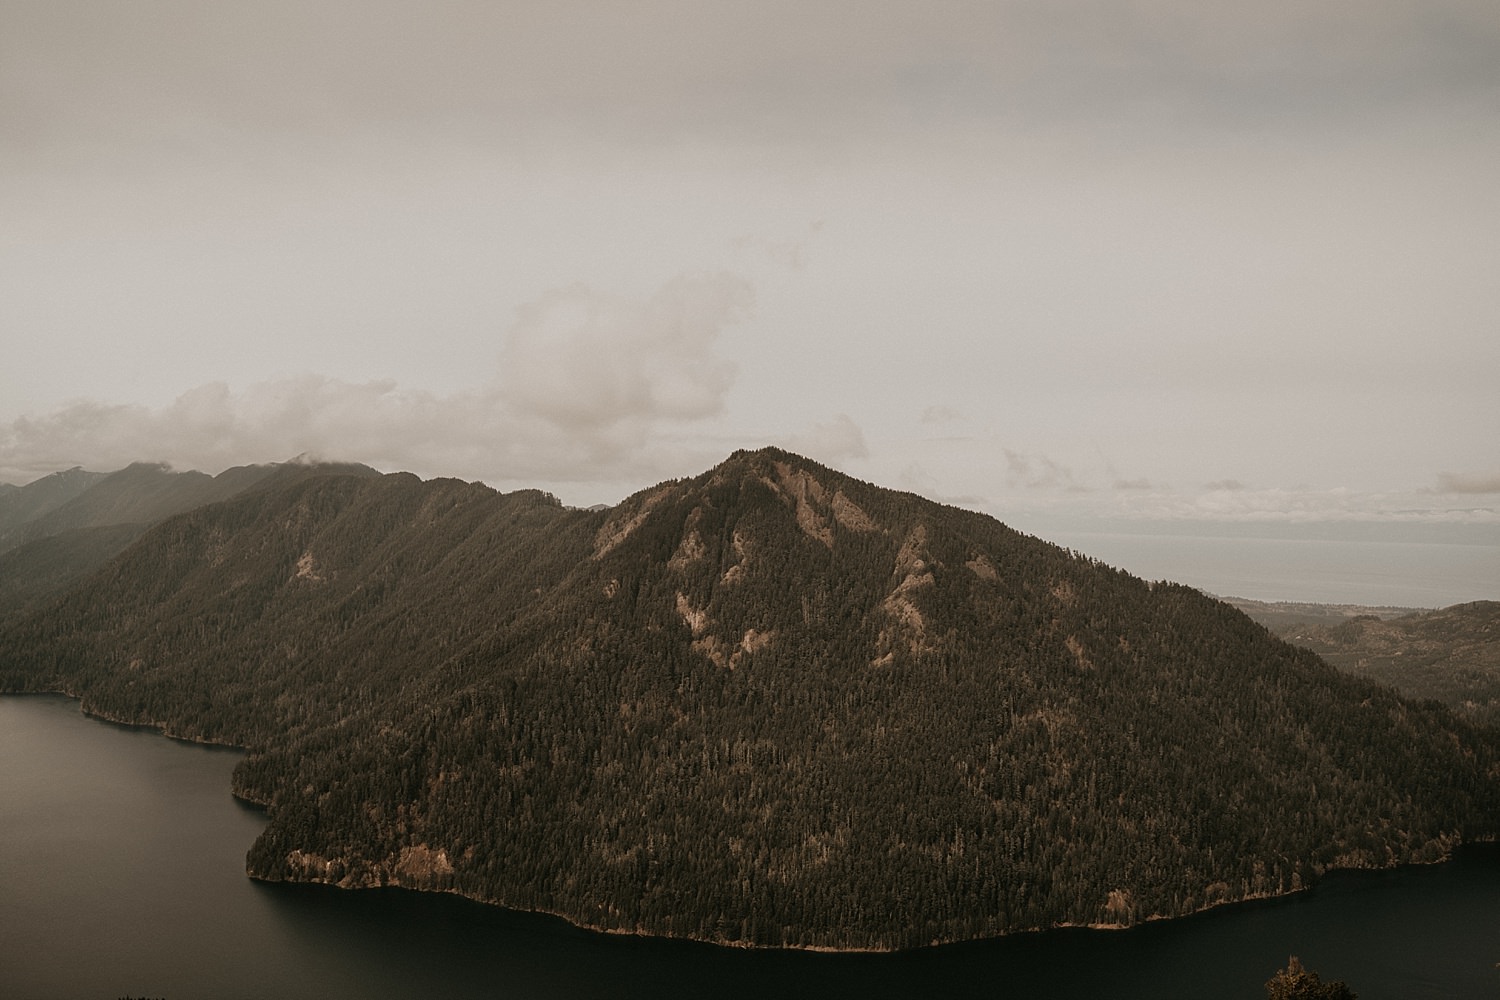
{"x": 72, "y": 522}
{"x": 35, "y": 571}
{"x": 142, "y": 493}
{"x": 1451, "y": 655}
{"x": 21, "y": 504}
{"x": 769, "y": 705}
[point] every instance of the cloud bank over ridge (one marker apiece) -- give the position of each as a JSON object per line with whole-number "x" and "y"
{"x": 586, "y": 384}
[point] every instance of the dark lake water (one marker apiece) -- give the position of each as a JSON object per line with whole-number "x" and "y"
{"x": 122, "y": 873}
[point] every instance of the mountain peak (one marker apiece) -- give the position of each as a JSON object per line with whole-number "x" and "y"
{"x": 771, "y": 457}
{"x": 818, "y": 498}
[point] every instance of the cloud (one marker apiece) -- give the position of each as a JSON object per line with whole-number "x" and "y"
{"x": 788, "y": 253}
{"x": 587, "y": 383}
{"x": 1119, "y": 483}
{"x": 940, "y": 414}
{"x": 1449, "y": 482}
{"x": 917, "y": 479}
{"x": 1038, "y": 472}
{"x": 1225, "y": 486}
{"x": 836, "y": 441}
{"x": 587, "y": 362}
{"x": 211, "y": 427}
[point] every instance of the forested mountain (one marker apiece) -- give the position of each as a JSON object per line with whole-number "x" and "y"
{"x": 59, "y": 528}
{"x": 142, "y": 493}
{"x": 1452, "y": 655}
{"x": 769, "y": 705}
{"x": 34, "y": 571}
{"x": 21, "y": 504}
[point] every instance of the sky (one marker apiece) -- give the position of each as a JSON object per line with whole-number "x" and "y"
{"x": 1067, "y": 262}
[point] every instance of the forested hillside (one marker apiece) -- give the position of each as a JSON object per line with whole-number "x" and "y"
{"x": 20, "y": 505}
{"x": 56, "y": 530}
{"x": 142, "y": 493}
{"x": 769, "y": 705}
{"x": 1451, "y": 655}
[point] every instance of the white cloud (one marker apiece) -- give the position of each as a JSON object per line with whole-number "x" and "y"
{"x": 917, "y": 479}
{"x": 833, "y": 442}
{"x": 1038, "y": 472}
{"x": 586, "y": 383}
{"x": 586, "y": 362}
{"x": 939, "y": 414}
{"x": 790, "y": 253}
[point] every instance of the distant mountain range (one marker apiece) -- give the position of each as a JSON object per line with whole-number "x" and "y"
{"x": 769, "y": 705}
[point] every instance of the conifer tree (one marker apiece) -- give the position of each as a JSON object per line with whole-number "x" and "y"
{"x": 1298, "y": 983}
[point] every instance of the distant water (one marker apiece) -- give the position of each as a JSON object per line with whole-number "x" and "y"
{"x": 1404, "y": 574}
{"x": 122, "y": 874}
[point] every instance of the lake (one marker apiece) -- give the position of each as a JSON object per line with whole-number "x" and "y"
{"x": 122, "y": 874}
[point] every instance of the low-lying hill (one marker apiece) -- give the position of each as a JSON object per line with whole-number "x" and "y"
{"x": 1451, "y": 655}
{"x": 769, "y": 705}
{"x": 1282, "y": 616}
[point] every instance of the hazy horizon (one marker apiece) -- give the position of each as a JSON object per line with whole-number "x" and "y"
{"x": 1089, "y": 264}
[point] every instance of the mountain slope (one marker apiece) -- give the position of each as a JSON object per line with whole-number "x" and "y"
{"x": 1452, "y": 655}
{"x": 34, "y": 571}
{"x": 142, "y": 493}
{"x": 21, "y": 504}
{"x": 79, "y": 522}
{"x": 769, "y": 705}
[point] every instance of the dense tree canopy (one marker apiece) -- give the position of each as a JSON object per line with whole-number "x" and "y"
{"x": 1451, "y": 655}
{"x": 1297, "y": 983}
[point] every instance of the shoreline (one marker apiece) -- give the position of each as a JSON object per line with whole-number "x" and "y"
{"x": 162, "y": 730}
{"x": 1154, "y": 919}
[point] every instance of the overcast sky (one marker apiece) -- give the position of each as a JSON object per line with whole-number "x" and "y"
{"x": 1151, "y": 260}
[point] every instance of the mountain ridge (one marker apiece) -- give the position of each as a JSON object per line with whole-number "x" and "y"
{"x": 56, "y": 529}
{"x": 21, "y": 504}
{"x": 767, "y": 705}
